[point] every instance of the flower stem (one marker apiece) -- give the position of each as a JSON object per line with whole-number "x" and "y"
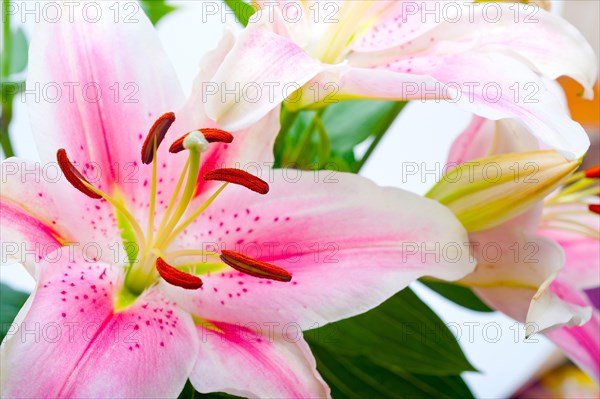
{"x": 7, "y": 98}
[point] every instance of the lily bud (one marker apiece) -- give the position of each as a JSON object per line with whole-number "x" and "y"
{"x": 487, "y": 192}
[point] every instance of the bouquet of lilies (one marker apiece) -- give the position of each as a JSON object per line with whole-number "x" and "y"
{"x": 224, "y": 243}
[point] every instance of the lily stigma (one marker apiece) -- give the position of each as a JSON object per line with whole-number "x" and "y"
{"x": 152, "y": 243}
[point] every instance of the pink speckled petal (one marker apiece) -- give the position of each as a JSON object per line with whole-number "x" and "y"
{"x": 41, "y": 211}
{"x": 72, "y": 343}
{"x": 348, "y": 243}
{"x": 255, "y": 362}
{"x": 111, "y": 92}
{"x": 490, "y": 84}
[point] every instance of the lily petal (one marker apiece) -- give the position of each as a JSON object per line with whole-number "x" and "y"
{"x": 326, "y": 235}
{"x": 111, "y": 91}
{"x": 269, "y": 363}
{"x": 484, "y": 137}
{"x": 36, "y": 220}
{"x": 514, "y": 271}
{"x": 481, "y": 83}
{"x": 581, "y": 345}
{"x": 73, "y": 343}
{"x": 262, "y": 69}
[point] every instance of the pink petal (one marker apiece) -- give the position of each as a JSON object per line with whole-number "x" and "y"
{"x": 399, "y": 23}
{"x": 581, "y": 251}
{"x": 112, "y": 90}
{"x": 252, "y": 146}
{"x": 492, "y": 85}
{"x": 254, "y": 362}
{"x": 348, "y": 243}
{"x": 513, "y": 275}
{"x": 70, "y": 342}
{"x": 518, "y": 30}
{"x": 259, "y": 72}
{"x": 484, "y": 137}
{"x": 41, "y": 212}
{"x": 581, "y": 345}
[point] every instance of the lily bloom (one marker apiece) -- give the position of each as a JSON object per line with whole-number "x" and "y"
{"x": 495, "y": 63}
{"x": 547, "y": 271}
{"x": 155, "y": 264}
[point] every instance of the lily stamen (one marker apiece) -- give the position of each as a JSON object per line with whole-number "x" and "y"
{"x": 155, "y": 136}
{"x": 210, "y": 134}
{"x": 240, "y": 177}
{"x": 78, "y": 181}
{"x": 74, "y": 177}
{"x": 176, "y": 277}
{"x": 253, "y": 267}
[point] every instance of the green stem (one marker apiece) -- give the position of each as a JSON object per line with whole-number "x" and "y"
{"x": 306, "y": 138}
{"x": 287, "y": 120}
{"x": 7, "y": 99}
{"x": 384, "y": 128}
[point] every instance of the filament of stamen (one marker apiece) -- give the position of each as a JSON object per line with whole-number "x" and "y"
{"x": 196, "y": 213}
{"x": 134, "y": 224}
{"x": 188, "y": 193}
{"x": 150, "y": 228}
{"x": 174, "y": 197}
{"x": 575, "y": 187}
{"x": 578, "y": 195}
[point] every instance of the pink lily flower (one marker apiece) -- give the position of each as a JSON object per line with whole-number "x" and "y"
{"x": 548, "y": 272}
{"x": 222, "y": 278}
{"x": 311, "y": 54}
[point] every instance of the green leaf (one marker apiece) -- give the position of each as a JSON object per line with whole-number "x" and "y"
{"x": 460, "y": 295}
{"x": 19, "y": 48}
{"x": 190, "y": 393}
{"x": 156, "y": 9}
{"x": 339, "y": 129}
{"x": 351, "y": 122}
{"x": 402, "y": 333}
{"x": 11, "y": 301}
{"x": 242, "y": 10}
{"x": 360, "y": 377}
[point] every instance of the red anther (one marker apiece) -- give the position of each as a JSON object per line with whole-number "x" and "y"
{"x": 594, "y": 208}
{"x": 253, "y": 267}
{"x": 211, "y": 135}
{"x": 73, "y": 175}
{"x": 238, "y": 176}
{"x": 176, "y": 277}
{"x": 593, "y": 173}
{"x": 156, "y": 135}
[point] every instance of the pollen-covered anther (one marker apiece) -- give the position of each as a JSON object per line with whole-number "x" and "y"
{"x": 176, "y": 277}
{"x": 240, "y": 177}
{"x": 253, "y": 267}
{"x": 211, "y": 135}
{"x": 73, "y": 175}
{"x": 594, "y": 208}
{"x": 593, "y": 173}
{"x": 156, "y": 135}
